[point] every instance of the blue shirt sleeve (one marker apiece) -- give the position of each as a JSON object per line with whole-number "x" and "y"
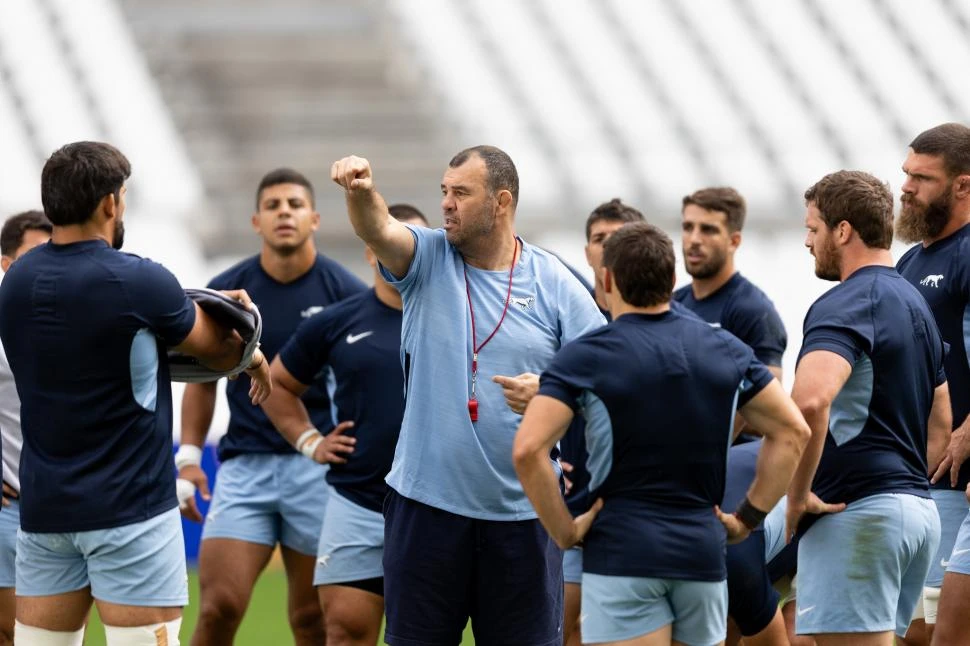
{"x": 578, "y": 313}
{"x": 757, "y": 323}
{"x": 308, "y": 350}
{"x": 564, "y": 378}
{"x": 754, "y": 374}
{"x": 427, "y": 242}
{"x": 160, "y": 303}
{"x": 847, "y": 334}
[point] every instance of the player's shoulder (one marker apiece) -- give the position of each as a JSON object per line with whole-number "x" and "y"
{"x": 745, "y": 296}
{"x": 327, "y": 267}
{"x": 235, "y": 276}
{"x": 550, "y": 269}
{"x": 681, "y": 293}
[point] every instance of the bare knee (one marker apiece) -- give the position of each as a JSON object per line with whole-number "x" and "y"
{"x": 222, "y": 607}
{"x": 346, "y": 629}
{"x": 306, "y": 617}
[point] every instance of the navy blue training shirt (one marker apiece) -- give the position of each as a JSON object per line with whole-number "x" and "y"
{"x": 884, "y": 329}
{"x": 659, "y": 393}
{"x": 283, "y": 307}
{"x": 360, "y": 340}
{"x": 86, "y": 329}
{"x": 742, "y": 309}
{"x": 941, "y": 273}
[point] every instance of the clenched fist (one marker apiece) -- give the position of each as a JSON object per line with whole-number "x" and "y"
{"x": 352, "y": 173}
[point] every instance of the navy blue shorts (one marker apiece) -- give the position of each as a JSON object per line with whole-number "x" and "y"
{"x": 440, "y": 569}
{"x": 752, "y": 601}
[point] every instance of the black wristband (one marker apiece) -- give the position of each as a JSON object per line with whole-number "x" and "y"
{"x": 749, "y": 515}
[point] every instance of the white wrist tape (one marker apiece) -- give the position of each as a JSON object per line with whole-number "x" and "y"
{"x": 308, "y": 441}
{"x": 188, "y": 454}
{"x": 184, "y": 491}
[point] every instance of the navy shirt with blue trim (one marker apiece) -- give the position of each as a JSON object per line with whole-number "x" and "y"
{"x": 658, "y": 393}
{"x": 941, "y": 273}
{"x": 742, "y": 309}
{"x": 86, "y": 329}
{"x": 283, "y": 307}
{"x": 360, "y": 340}
{"x": 876, "y": 441}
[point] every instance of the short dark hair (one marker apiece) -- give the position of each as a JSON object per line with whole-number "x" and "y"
{"x": 641, "y": 258}
{"x": 860, "y": 199}
{"x": 284, "y": 176}
{"x": 722, "y": 199}
{"x": 501, "y": 172}
{"x": 951, "y": 141}
{"x": 12, "y": 234}
{"x": 613, "y": 211}
{"x": 406, "y": 212}
{"x": 77, "y": 177}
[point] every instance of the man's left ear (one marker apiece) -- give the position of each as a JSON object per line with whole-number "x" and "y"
{"x": 505, "y": 199}
{"x": 961, "y": 187}
{"x": 5, "y": 262}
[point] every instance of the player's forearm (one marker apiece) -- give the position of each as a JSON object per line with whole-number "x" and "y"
{"x": 778, "y": 459}
{"x": 198, "y": 406}
{"x": 817, "y": 416}
{"x": 288, "y": 414}
{"x": 368, "y": 215}
{"x": 541, "y": 485}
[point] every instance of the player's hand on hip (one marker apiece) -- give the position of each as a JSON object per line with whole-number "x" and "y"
{"x": 335, "y": 446}
{"x": 9, "y": 494}
{"x": 191, "y": 477}
{"x": 812, "y": 505}
{"x": 261, "y": 384}
{"x": 736, "y": 530}
{"x": 352, "y": 173}
{"x": 957, "y": 452}
{"x": 582, "y": 523}
{"x": 518, "y": 390}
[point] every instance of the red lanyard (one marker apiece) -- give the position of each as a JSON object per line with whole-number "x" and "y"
{"x": 473, "y": 402}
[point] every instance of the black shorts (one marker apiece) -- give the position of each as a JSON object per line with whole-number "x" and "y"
{"x": 440, "y": 569}
{"x": 752, "y": 601}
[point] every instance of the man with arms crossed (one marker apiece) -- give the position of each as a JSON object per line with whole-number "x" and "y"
{"x": 657, "y": 467}
{"x": 20, "y": 234}
{"x": 871, "y": 385}
{"x": 266, "y": 493}
{"x": 935, "y": 213}
{"x": 86, "y": 329}
{"x": 482, "y": 310}
{"x": 360, "y": 340}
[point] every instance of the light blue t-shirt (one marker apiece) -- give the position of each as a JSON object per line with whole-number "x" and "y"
{"x": 443, "y": 459}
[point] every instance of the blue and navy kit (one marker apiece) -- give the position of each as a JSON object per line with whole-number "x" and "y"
{"x": 742, "y": 309}
{"x": 659, "y": 393}
{"x": 876, "y": 443}
{"x": 360, "y": 340}
{"x": 86, "y": 330}
{"x": 941, "y": 273}
{"x": 284, "y": 307}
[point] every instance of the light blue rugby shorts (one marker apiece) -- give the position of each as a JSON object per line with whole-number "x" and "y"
{"x": 862, "y": 570}
{"x": 266, "y": 498}
{"x": 9, "y": 524}
{"x": 616, "y": 608}
{"x": 351, "y": 546}
{"x": 141, "y": 564}
{"x": 953, "y": 508}
{"x": 959, "y": 561}
{"x": 572, "y": 565}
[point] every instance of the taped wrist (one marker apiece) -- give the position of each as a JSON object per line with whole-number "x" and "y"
{"x": 749, "y": 515}
{"x": 188, "y": 454}
{"x": 308, "y": 441}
